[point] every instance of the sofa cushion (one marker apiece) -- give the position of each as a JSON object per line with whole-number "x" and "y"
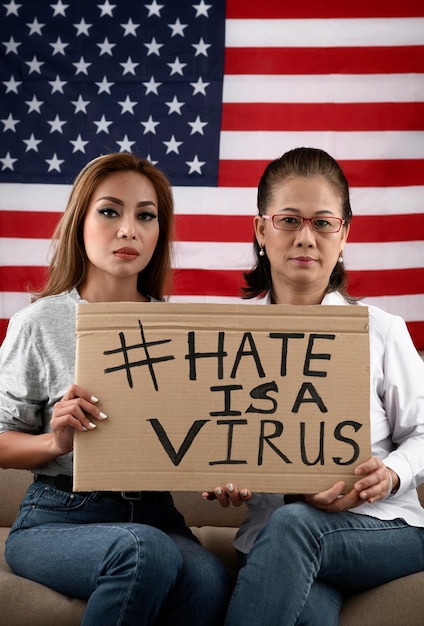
{"x": 26, "y": 603}
{"x": 13, "y": 485}
{"x": 397, "y": 603}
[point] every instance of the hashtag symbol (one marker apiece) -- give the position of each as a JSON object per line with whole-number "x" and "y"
{"x": 148, "y": 360}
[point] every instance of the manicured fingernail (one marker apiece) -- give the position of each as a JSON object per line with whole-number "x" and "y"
{"x": 94, "y": 399}
{"x": 243, "y": 493}
{"x": 103, "y": 416}
{"x": 230, "y": 487}
{"x": 218, "y": 491}
{"x": 84, "y": 428}
{"x": 91, "y": 425}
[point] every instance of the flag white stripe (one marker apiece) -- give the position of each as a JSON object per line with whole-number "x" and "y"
{"x": 387, "y": 255}
{"x": 17, "y": 252}
{"x": 318, "y": 88}
{"x": 33, "y": 197}
{"x": 409, "y": 307}
{"x": 242, "y": 200}
{"x": 233, "y": 255}
{"x": 212, "y": 255}
{"x": 218, "y": 200}
{"x": 387, "y": 200}
{"x": 358, "y": 256}
{"x": 326, "y": 33}
{"x": 11, "y": 302}
{"x": 240, "y": 145}
{"x": 211, "y": 299}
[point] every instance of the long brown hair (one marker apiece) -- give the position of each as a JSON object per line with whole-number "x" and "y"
{"x": 68, "y": 266}
{"x": 306, "y": 162}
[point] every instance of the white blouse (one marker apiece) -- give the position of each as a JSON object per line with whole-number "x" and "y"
{"x": 396, "y": 420}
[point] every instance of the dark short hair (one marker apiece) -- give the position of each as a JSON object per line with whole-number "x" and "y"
{"x": 307, "y": 162}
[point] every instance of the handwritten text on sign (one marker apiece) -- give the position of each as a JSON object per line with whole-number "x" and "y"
{"x": 273, "y": 398}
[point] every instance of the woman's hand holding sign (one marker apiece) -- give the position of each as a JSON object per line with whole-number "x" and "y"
{"x": 377, "y": 483}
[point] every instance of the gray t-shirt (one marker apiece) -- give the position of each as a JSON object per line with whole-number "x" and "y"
{"x": 37, "y": 361}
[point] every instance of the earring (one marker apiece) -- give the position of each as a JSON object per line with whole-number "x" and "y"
{"x": 262, "y": 251}
{"x": 341, "y": 258}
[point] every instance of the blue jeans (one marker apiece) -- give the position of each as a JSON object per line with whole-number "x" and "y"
{"x": 134, "y": 561}
{"x": 304, "y": 560}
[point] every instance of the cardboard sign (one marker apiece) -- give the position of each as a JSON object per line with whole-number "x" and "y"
{"x": 272, "y": 398}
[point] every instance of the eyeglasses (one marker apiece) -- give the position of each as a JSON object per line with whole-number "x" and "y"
{"x": 295, "y": 222}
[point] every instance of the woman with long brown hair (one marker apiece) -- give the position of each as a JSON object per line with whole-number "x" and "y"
{"x": 130, "y": 555}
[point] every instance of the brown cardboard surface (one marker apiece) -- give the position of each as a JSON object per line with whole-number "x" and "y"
{"x": 272, "y": 398}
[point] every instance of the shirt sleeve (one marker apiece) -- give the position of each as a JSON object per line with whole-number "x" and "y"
{"x": 403, "y": 400}
{"x": 259, "y": 510}
{"x": 22, "y": 373}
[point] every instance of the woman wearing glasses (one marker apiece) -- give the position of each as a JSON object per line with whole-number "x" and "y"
{"x": 302, "y": 553}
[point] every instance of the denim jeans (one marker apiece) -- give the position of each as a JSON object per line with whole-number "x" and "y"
{"x": 135, "y": 561}
{"x": 304, "y": 560}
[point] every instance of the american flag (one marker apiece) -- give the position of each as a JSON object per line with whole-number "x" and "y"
{"x": 211, "y": 92}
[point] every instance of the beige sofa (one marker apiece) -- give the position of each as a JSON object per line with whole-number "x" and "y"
{"x": 25, "y": 603}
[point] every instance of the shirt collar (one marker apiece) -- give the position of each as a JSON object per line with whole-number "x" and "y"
{"x": 334, "y": 297}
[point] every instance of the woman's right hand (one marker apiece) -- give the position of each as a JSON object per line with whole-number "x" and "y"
{"x": 72, "y": 413}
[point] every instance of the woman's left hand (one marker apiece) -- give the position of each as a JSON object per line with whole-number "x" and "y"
{"x": 376, "y": 481}
{"x": 227, "y": 495}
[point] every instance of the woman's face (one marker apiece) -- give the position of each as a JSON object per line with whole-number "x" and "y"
{"x": 303, "y": 260}
{"x": 121, "y": 226}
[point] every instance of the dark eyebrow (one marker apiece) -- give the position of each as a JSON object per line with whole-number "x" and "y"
{"x": 322, "y": 212}
{"x": 118, "y": 201}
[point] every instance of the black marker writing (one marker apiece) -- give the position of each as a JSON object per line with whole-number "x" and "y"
{"x": 149, "y": 361}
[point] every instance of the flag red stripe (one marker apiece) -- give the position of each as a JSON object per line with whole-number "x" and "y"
{"x": 416, "y": 330}
{"x": 360, "y": 173}
{"x": 192, "y": 282}
{"x": 239, "y": 228}
{"x": 28, "y": 224}
{"x": 228, "y": 282}
{"x": 3, "y": 328}
{"x": 369, "y": 228}
{"x": 361, "y": 116}
{"x": 226, "y": 228}
{"x": 25, "y": 278}
{"x": 345, "y": 60}
{"x": 252, "y": 9}
{"x": 372, "y": 283}
{"x": 221, "y": 228}
{"x": 361, "y": 283}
